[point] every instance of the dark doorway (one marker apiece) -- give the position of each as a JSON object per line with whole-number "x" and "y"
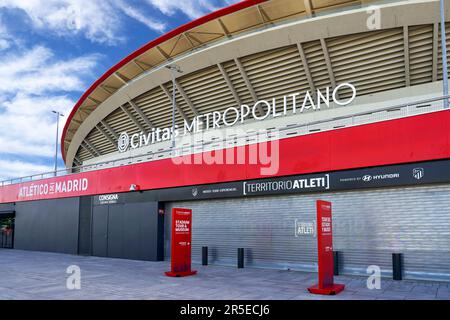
{"x": 127, "y": 230}
{"x": 100, "y": 231}
{"x": 7, "y": 233}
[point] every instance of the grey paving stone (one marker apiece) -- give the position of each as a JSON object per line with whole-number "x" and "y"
{"x": 443, "y": 293}
{"x": 421, "y": 289}
{"x": 40, "y": 275}
{"x": 400, "y": 286}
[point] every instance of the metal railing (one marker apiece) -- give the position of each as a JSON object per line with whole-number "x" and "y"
{"x": 290, "y": 130}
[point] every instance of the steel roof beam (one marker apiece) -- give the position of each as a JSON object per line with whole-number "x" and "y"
{"x": 406, "y": 55}
{"x": 229, "y": 83}
{"x": 138, "y": 65}
{"x": 111, "y": 130}
{"x": 90, "y": 147}
{"x": 195, "y": 38}
{"x": 306, "y": 67}
{"x": 175, "y": 44}
{"x": 85, "y": 147}
{"x": 167, "y": 93}
{"x": 106, "y": 90}
{"x": 114, "y": 89}
{"x": 308, "y": 8}
{"x": 121, "y": 77}
{"x": 90, "y": 108}
{"x": 186, "y": 98}
{"x": 261, "y": 16}
{"x": 326, "y": 54}
{"x": 141, "y": 114}
{"x": 132, "y": 118}
{"x": 207, "y": 33}
{"x": 163, "y": 53}
{"x": 103, "y": 132}
{"x": 145, "y": 64}
{"x": 94, "y": 100}
{"x": 83, "y": 112}
{"x": 222, "y": 25}
{"x": 264, "y": 16}
{"x": 435, "y": 51}
{"x": 248, "y": 83}
{"x": 186, "y": 36}
{"x": 78, "y": 161}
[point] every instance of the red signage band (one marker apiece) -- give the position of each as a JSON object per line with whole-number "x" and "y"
{"x": 404, "y": 140}
{"x": 181, "y": 243}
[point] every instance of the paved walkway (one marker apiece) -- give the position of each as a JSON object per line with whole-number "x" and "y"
{"x": 38, "y": 275}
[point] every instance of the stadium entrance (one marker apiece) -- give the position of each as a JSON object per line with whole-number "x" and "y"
{"x": 7, "y": 229}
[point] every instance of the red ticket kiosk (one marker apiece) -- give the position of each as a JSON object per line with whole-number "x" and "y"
{"x": 326, "y": 283}
{"x": 181, "y": 243}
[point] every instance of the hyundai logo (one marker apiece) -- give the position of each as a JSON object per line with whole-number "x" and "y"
{"x": 367, "y": 178}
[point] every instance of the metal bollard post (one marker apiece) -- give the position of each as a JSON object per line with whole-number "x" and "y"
{"x": 240, "y": 258}
{"x": 336, "y": 255}
{"x": 397, "y": 266}
{"x": 204, "y": 256}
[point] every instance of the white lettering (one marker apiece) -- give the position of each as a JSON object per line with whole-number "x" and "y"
{"x": 229, "y": 117}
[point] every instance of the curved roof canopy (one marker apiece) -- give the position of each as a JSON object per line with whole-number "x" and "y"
{"x": 258, "y": 50}
{"x": 222, "y": 24}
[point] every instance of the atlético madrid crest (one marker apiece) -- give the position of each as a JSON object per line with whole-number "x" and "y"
{"x": 418, "y": 173}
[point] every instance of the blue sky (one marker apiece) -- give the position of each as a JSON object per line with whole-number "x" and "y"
{"x": 52, "y": 50}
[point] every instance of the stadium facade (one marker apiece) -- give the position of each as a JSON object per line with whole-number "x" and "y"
{"x": 276, "y": 104}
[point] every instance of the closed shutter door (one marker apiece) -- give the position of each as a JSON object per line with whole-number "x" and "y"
{"x": 368, "y": 226}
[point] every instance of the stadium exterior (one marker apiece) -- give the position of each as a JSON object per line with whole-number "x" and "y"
{"x": 277, "y": 104}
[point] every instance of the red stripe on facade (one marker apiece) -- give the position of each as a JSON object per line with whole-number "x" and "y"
{"x": 412, "y": 139}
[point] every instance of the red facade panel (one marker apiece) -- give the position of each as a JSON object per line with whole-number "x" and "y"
{"x": 411, "y": 139}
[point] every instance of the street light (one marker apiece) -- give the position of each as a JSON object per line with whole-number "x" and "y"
{"x": 58, "y": 114}
{"x": 174, "y": 70}
{"x": 444, "y": 54}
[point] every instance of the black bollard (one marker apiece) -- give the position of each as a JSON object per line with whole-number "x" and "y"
{"x": 397, "y": 266}
{"x": 336, "y": 255}
{"x": 240, "y": 258}
{"x": 204, "y": 256}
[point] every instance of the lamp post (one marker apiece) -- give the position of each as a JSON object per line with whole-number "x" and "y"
{"x": 58, "y": 114}
{"x": 444, "y": 54}
{"x": 174, "y": 70}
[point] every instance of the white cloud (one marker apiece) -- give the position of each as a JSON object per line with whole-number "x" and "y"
{"x": 98, "y": 20}
{"x": 34, "y": 83}
{"x": 5, "y": 39}
{"x": 28, "y": 120}
{"x": 37, "y": 72}
{"x": 143, "y": 18}
{"x": 191, "y": 8}
{"x": 10, "y": 169}
{"x": 4, "y": 44}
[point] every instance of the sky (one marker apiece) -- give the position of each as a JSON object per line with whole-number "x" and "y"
{"x": 50, "y": 53}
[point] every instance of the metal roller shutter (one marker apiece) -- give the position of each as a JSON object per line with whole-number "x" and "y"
{"x": 369, "y": 226}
